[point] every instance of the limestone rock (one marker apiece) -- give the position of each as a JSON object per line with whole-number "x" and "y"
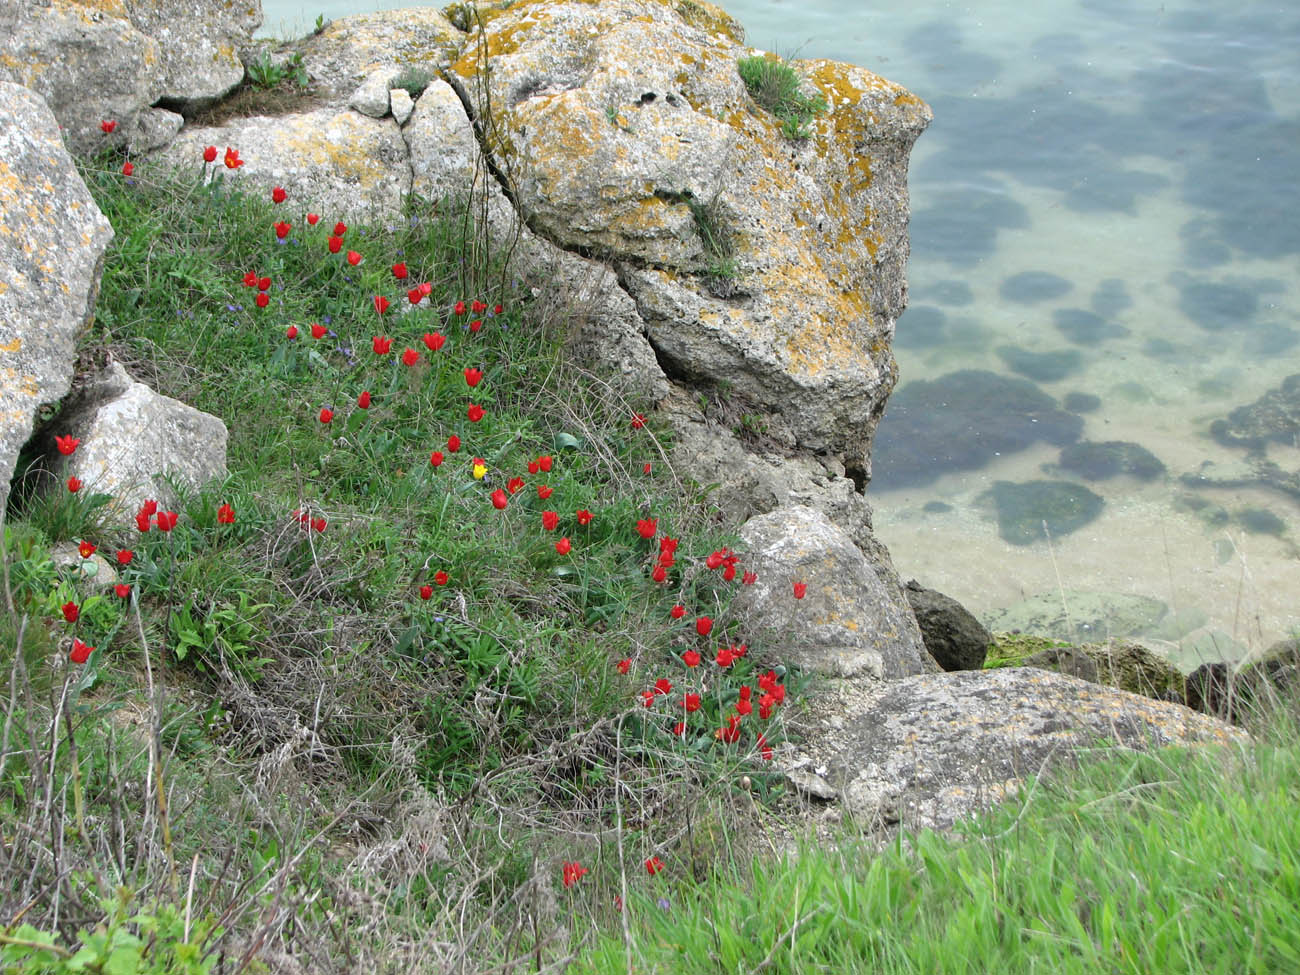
{"x": 851, "y": 621}
{"x": 349, "y": 49}
{"x": 131, "y": 441}
{"x": 623, "y": 126}
{"x": 926, "y": 751}
{"x": 51, "y": 250}
{"x": 154, "y": 128}
{"x": 605, "y": 331}
{"x": 371, "y": 96}
{"x": 953, "y": 636}
{"x": 349, "y": 166}
{"x": 402, "y": 106}
{"x": 198, "y": 41}
{"x": 86, "y": 60}
{"x": 1065, "y": 660}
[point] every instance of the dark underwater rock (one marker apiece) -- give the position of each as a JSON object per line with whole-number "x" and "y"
{"x": 1081, "y": 402}
{"x": 1111, "y": 298}
{"x": 1034, "y": 286}
{"x": 950, "y": 292}
{"x": 1023, "y": 508}
{"x": 1216, "y": 307}
{"x": 1275, "y": 417}
{"x": 1083, "y": 327}
{"x": 1043, "y": 367}
{"x": 959, "y": 422}
{"x": 920, "y": 327}
{"x": 1097, "y": 460}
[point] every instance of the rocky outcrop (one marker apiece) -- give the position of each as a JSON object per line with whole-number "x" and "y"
{"x": 344, "y": 164}
{"x": 52, "y": 241}
{"x": 821, "y": 602}
{"x": 135, "y": 441}
{"x": 351, "y": 49}
{"x": 625, "y": 132}
{"x": 953, "y": 636}
{"x": 926, "y": 751}
{"x": 113, "y": 59}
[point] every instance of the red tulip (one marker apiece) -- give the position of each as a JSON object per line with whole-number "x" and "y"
{"x": 624, "y": 666}
{"x": 645, "y": 527}
{"x": 291, "y": 332}
{"x": 142, "y": 522}
{"x": 573, "y": 872}
{"x": 691, "y": 702}
{"x": 426, "y": 592}
{"x": 399, "y": 270}
{"x": 545, "y": 462}
{"x": 167, "y": 520}
{"x": 313, "y": 219}
{"x": 326, "y": 414}
{"x": 262, "y": 299}
{"x": 453, "y": 443}
{"x": 426, "y": 289}
{"x": 127, "y": 170}
{"x": 544, "y": 491}
{"x": 282, "y": 229}
{"x": 66, "y": 444}
{"x": 210, "y": 154}
{"x": 381, "y": 304}
{"x": 584, "y": 517}
{"x": 515, "y": 485}
{"x": 646, "y": 469}
{"x": 86, "y": 549}
{"x": 497, "y": 310}
{"x": 71, "y": 611}
{"x": 434, "y": 340}
{"x": 499, "y": 499}
{"x": 563, "y": 546}
{"x": 225, "y": 515}
{"x": 473, "y": 376}
{"x": 436, "y": 458}
{"x": 124, "y": 557}
{"x": 703, "y": 625}
{"x": 318, "y": 331}
{"x": 410, "y": 357}
{"x": 660, "y": 574}
{"x": 460, "y": 308}
{"x": 475, "y": 413}
{"x": 335, "y": 244}
{"x": 638, "y": 421}
{"x": 550, "y": 520}
{"x": 414, "y": 296}
{"x": 340, "y": 229}
{"x": 477, "y": 306}
{"x": 80, "y": 652}
{"x": 232, "y": 158}
{"x": 278, "y": 195}
{"x": 263, "y": 284}
{"x": 318, "y": 524}
{"x": 363, "y": 400}
{"x": 354, "y": 258}
{"x": 475, "y": 325}
{"x": 653, "y": 865}
{"x": 74, "y": 484}
{"x": 122, "y": 590}
{"x": 381, "y": 344}
{"x": 108, "y": 125}
{"x": 691, "y": 658}
{"x": 441, "y": 578}
{"x": 677, "y": 612}
{"x": 799, "y": 589}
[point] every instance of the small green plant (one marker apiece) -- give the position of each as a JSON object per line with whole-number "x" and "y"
{"x": 413, "y": 80}
{"x": 267, "y": 74}
{"x": 719, "y": 244}
{"x": 321, "y": 23}
{"x": 775, "y": 86}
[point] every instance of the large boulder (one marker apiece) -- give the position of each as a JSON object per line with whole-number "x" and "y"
{"x": 926, "y": 751}
{"x": 113, "y": 59}
{"x": 134, "y": 442}
{"x": 52, "y": 242}
{"x": 86, "y": 60}
{"x": 852, "y": 618}
{"x": 351, "y": 49}
{"x": 625, "y": 132}
{"x": 199, "y": 42}
{"x": 340, "y": 162}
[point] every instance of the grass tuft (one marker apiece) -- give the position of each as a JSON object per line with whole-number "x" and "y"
{"x": 777, "y": 88}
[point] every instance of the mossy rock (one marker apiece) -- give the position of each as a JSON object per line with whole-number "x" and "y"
{"x": 1096, "y": 460}
{"x": 1023, "y": 508}
{"x": 1013, "y": 649}
{"x": 1132, "y": 667}
{"x": 1092, "y": 616}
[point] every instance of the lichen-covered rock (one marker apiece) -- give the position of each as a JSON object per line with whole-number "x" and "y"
{"x": 371, "y": 96}
{"x": 52, "y": 241}
{"x": 604, "y": 329}
{"x": 133, "y": 440}
{"x": 154, "y": 128}
{"x": 86, "y": 60}
{"x": 624, "y": 128}
{"x": 350, "y": 49}
{"x": 954, "y": 637}
{"x": 345, "y": 164}
{"x": 926, "y": 751}
{"x": 850, "y": 621}
{"x": 199, "y": 43}
{"x": 401, "y": 104}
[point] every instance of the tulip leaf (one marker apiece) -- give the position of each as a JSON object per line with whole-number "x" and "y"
{"x": 567, "y": 441}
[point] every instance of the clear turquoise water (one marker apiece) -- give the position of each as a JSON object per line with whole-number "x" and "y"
{"x": 1107, "y": 204}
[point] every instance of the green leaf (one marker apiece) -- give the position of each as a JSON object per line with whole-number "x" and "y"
{"x": 567, "y": 441}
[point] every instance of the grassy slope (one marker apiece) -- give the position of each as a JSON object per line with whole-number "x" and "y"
{"x": 396, "y": 781}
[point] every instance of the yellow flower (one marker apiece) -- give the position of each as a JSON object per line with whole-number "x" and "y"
{"x": 479, "y": 471}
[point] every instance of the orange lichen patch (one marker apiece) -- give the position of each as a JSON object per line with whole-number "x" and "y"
{"x": 709, "y": 18}
{"x": 338, "y": 145}
{"x": 17, "y": 343}
{"x": 114, "y": 8}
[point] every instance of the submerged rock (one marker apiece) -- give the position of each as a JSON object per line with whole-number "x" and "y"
{"x": 1035, "y": 286}
{"x": 1098, "y": 460}
{"x": 1081, "y": 402}
{"x": 1273, "y": 418}
{"x": 1024, "y": 508}
{"x": 1042, "y": 367}
{"x": 1079, "y": 616}
{"x": 960, "y": 422}
{"x": 1083, "y": 327}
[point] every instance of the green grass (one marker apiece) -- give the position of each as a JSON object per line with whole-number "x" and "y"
{"x": 776, "y": 87}
{"x": 1180, "y": 861}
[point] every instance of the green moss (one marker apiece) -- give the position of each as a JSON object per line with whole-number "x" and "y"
{"x": 1011, "y": 649}
{"x": 775, "y": 86}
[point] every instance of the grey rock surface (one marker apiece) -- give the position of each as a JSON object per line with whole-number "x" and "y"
{"x": 371, "y": 96}
{"x": 926, "y": 751}
{"x": 347, "y": 165}
{"x": 954, "y": 637}
{"x": 849, "y": 622}
{"x": 349, "y": 49}
{"x": 133, "y": 440}
{"x": 52, "y": 242}
{"x": 399, "y": 100}
{"x": 198, "y": 44}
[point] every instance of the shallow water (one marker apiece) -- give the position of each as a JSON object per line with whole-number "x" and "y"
{"x": 1107, "y": 203}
